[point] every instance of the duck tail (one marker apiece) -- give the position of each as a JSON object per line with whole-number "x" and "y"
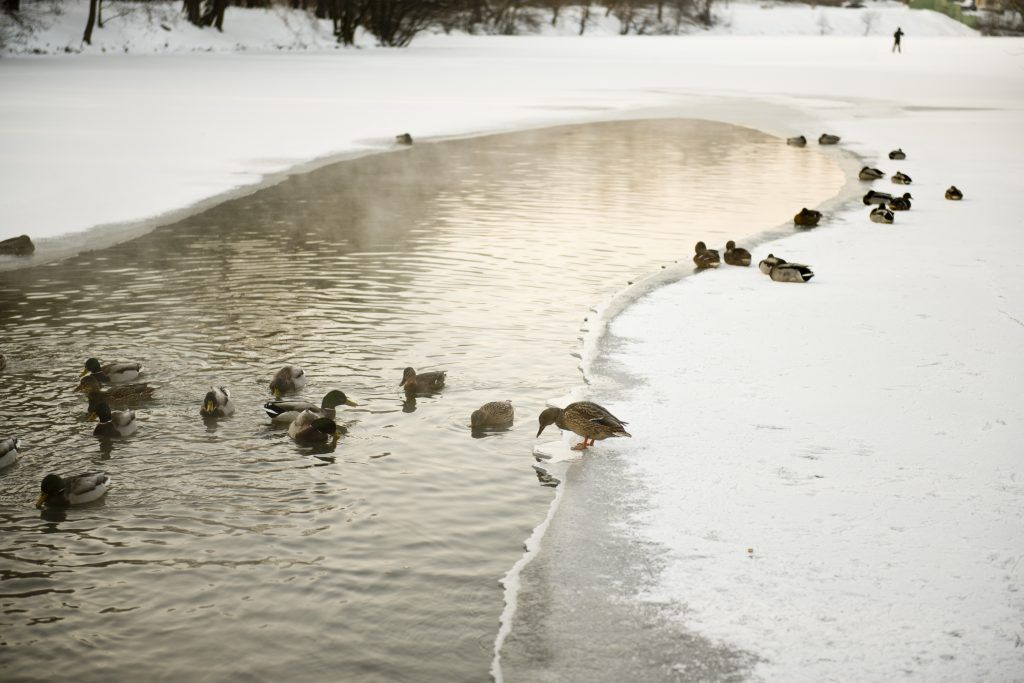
{"x": 271, "y": 410}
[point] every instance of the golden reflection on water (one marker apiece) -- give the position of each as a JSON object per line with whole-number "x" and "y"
{"x": 380, "y": 559}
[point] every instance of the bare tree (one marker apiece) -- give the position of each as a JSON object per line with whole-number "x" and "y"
{"x": 90, "y": 22}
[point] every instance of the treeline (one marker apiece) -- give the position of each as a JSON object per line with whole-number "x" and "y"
{"x": 395, "y": 23}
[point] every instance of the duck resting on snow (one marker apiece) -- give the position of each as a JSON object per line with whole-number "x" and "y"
{"x": 901, "y": 203}
{"x": 828, "y": 139}
{"x": 901, "y": 178}
{"x": 880, "y": 214}
{"x": 954, "y": 194}
{"x": 704, "y": 257}
{"x": 736, "y": 256}
{"x": 807, "y": 218}
{"x": 781, "y": 270}
{"x": 873, "y": 197}
{"x": 867, "y": 173}
{"x": 897, "y": 155}
{"x": 798, "y": 141}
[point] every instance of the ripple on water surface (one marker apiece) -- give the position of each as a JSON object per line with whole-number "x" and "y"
{"x": 223, "y": 550}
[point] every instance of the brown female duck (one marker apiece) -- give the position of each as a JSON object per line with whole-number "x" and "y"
{"x": 704, "y": 257}
{"x": 736, "y": 256}
{"x": 587, "y": 419}
{"x": 422, "y": 383}
{"x": 495, "y": 414}
{"x": 807, "y": 218}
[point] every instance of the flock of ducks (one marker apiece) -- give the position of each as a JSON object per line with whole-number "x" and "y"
{"x": 308, "y": 423}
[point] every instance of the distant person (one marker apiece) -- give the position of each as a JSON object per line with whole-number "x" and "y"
{"x": 896, "y": 40}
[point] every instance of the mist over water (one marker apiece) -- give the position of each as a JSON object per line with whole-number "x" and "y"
{"x": 226, "y": 552}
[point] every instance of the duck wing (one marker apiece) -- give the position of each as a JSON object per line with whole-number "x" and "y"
{"x": 83, "y": 484}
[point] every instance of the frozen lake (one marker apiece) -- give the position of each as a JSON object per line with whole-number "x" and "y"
{"x": 223, "y": 550}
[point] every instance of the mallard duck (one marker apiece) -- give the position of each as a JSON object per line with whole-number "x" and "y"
{"x": 318, "y": 430}
{"x": 423, "y": 383}
{"x": 790, "y": 272}
{"x": 704, "y": 257}
{"x": 873, "y": 197}
{"x": 897, "y": 155}
{"x": 901, "y": 178}
{"x": 403, "y": 139}
{"x": 495, "y": 414}
{"x": 954, "y": 194}
{"x": 9, "y": 447}
{"x": 76, "y": 490}
{"x": 901, "y": 203}
{"x": 828, "y": 139}
{"x": 807, "y": 218}
{"x": 766, "y": 264}
{"x": 217, "y": 403}
{"x": 736, "y": 256}
{"x": 116, "y": 373}
{"x": 288, "y": 380}
{"x": 880, "y": 214}
{"x": 798, "y": 141}
{"x": 587, "y": 419}
{"x": 113, "y": 424}
{"x": 287, "y": 411}
{"x": 123, "y": 395}
{"x": 867, "y": 173}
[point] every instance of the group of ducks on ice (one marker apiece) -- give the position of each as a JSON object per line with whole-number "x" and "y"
{"x": 781, "y": 270}
{"x": 316, "y": 424}
{"x": 308, "y": 423}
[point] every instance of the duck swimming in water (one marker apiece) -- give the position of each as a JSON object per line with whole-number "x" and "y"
{"x": 114, "y": 423}
{"x": 492, "y": 415}
{"x": 287, "y": 380}
{"x": 9, "y": 451}
{"x": 587, "y": 419}
{"x": 287, "y": 411}
{"x": 76, "y": 490}
{"x": 309, "y": 429}
{"x": 422, "y": 383}
{"x": 704, "y": 257}
{"x": 217, "y": 403}
{"x": 736, "y": 256}
{"x": 116, "y": 373}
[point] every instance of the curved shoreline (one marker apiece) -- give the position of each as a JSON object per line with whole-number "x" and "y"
{"x": 591, "y": 334}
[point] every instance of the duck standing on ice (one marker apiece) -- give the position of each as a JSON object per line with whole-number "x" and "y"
{"x": 587, "y": 419}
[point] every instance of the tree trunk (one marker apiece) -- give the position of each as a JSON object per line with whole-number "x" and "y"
{"x": 193, "y": 13}
{"x": 90, "y": 22}
{"x": 99, "y": 14}
{"x": 584, "y": 18}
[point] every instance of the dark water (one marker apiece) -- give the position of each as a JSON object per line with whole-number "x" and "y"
{"x": 224, "y": 551}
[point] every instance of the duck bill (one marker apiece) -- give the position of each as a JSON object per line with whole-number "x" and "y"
{"x": 541, "y": 429}
{"x": 337, "y": 435}
{"x": 93, "y": 416}
{"x": 208, "y": 407}
{"x": 41, "y": 500}
{"x": 84, "y": 372}
{"x": 350, "y": 402}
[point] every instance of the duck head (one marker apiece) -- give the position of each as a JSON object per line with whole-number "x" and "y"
{"x": 549, "y": 415}
{"x": 408, "y": 376}
{"x": 335, "y": 398}
{"x": 52, "y": 486}
{"x": 209, "y": 403}
{"x": 92, "y": 366}
{"x": 700, "y": 247}
{"x": 102, "y": 411}
{"x": 326, "y": 425}
{"x": 89, "y": 384}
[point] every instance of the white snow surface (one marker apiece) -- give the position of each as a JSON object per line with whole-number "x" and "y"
{"x": 860, "y": 433}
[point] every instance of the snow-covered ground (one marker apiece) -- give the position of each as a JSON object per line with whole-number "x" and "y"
{"x": 859, "y": 433}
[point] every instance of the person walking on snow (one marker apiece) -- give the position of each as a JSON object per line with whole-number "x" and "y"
{"x": 896, "y": 40}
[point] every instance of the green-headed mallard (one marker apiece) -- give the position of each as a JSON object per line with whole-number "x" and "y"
{"x": 790, "y": 272}
{"x": 880, "y": 214}
{"x": 954, "y": 194}
{"x": 901, "y": 178}
{"x": 828, "y": 139}
{"x": 798, "y": 141}
{"x": 9, "y": 447}
{"x": 287, "y": 411}
{"x": 114, "y": 423}
{"x": 868, "y": 173}
{"x": 123, "y": 395}
{"x": 873, "y": 197}
{"x": 495, "y": 414}
{"x": 587, "y": 419}
{"x": 736, "y": 256}
{"x": 901, "y": 203}
{"x": 403, "y": 139}
{"x": 807, "y": 218}
{"x": 76, "y": 490}
{"x": 217, "y": 403}
{"x": 897, "y": 155}
{"x": 116, "y": 373}
{"x": 318, "y": 430}
{"x": 422, "y": 383}
{"x": 704, "y": 257}
{"x": 288, "y": 380}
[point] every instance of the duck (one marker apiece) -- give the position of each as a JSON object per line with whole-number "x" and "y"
{"x": 287, "y": 411}
{"x": 122, "y": 396}
{"x": 403, "y": 139}
{"x": 873, "y": 197}
{"x": 115, "y": 373}
{"x": 287, "y": 380}
{"x": 807, "y": 218}
{"x": 587, "y": 419}
{"x": 954, "y": 194}
{"x": 704, "y": 257}
{"x": 867, "y": 173}
{"x": 217, "y": 403}
{"x": 422, "y": 383}
{"x": 880, "y": 214}
{"x": 314, "y": 430}
{"x": 828, "y": 139}
{"x": 767, "y": 263}
{"x": 736, "y": 256}
{"x": 901, "y": 203}
{"x": 798, "y": 141}
{"x": 897, "y": 155}
{"x": 790, "y": 272}
{"x": 10, "y": 447}
{"x": 901, "y": 178}
{"x": 494, "y": 414}
{"x": 113, "y": 423}
{"x": 77, "y": 490}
